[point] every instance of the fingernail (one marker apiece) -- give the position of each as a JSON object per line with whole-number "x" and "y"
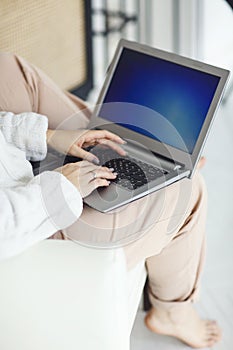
{"x": 115, "y": 174}
{"x": 111, "y": 169}
{"x": 95, "y": 161}
{"x": 109, "y": 182}
{"x": 124, "y": 142}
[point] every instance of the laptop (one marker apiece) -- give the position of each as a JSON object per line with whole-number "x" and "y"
{"x": 162, "y": 105}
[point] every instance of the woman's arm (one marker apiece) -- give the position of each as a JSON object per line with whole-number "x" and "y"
{"x": 33, "y": 212}
{"x": 29, "y": 132}
{"x": 26, "y": 131}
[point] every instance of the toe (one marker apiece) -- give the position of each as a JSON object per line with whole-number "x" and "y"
{"x": 213, "y": 332}
{"x": 215, "y": 336}
{"x": 213, "y": 339}
{"x": 212, "y": 327}
{"x": 210, "y": 343}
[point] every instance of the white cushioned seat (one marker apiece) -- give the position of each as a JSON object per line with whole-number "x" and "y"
{"x": 60, "y": 295}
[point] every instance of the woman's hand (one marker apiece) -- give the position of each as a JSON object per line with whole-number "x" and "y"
{"x": 201, "y": 163}
{"x": 86, "y": 177}
{"x": 72, "y": 142}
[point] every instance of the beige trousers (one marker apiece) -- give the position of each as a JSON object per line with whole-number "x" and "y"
{"x": 165, "y": 228}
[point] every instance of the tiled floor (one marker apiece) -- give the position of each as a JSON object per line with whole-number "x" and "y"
{"x": 217, "y": 290}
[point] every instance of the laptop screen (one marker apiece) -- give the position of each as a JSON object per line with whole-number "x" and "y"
{"x": 176, "y": 98}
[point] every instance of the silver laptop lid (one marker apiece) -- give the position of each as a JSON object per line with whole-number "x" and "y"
{"x": 164, "y": 101}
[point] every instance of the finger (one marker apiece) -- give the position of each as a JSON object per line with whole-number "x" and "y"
{"x": 87, "y": 167}
{"x": 98, "y": 170}
{"x": 102, "y": 173}
{"x": 104, "y": 134}
{"x": 81, "y": 153}
{"x": 99, "y": 183}
{"x": 113, "y": 146}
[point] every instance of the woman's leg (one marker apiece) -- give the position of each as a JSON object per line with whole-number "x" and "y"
{"x": 24, "y": 88}
{"x": 167, "y": 229}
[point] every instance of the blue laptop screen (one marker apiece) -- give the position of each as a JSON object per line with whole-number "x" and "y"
{"x": 177, "y": 98}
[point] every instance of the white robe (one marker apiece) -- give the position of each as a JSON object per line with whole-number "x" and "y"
{"x": 31, "y": 208}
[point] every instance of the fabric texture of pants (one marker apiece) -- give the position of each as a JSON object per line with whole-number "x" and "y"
{"x": 165, "y": 228}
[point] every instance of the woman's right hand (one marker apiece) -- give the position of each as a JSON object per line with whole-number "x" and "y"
{"x": 86, "y": 177}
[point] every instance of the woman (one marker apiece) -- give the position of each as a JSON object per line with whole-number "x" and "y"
{"x": 169, "y": 225}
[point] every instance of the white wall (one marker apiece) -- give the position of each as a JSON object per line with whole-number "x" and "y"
{"x": 162, "y": 24}
{"x": 176, "y": 26}
{"x": 204, "y": 31}
{"x": 218, "y": 33}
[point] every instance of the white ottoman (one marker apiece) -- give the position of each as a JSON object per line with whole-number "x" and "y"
{"x": 62, "y": 296}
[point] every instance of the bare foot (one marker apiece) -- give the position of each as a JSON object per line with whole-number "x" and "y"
{"x": 186, "y": 326}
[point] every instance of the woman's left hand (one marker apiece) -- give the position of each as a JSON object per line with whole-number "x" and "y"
{"x": 72, "y": 142}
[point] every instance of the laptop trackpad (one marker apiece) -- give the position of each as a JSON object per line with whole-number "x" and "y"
{"x": 103, "y": 198}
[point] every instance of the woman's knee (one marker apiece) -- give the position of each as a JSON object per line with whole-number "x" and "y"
{"x": 14, "y": 92}
{"x": 199, "y": 189}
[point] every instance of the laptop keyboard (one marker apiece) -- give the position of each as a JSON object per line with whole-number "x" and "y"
{"x": 132, "y": 173}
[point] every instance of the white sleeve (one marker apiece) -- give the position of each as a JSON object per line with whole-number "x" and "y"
{"x": 35, "y": 211}
{"x": 26, "y": 131}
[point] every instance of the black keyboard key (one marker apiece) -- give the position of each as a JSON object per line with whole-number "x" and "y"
{"x": 131, "y": 172}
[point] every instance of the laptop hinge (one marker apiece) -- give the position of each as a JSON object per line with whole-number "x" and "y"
{"x": 171, "y": 163}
